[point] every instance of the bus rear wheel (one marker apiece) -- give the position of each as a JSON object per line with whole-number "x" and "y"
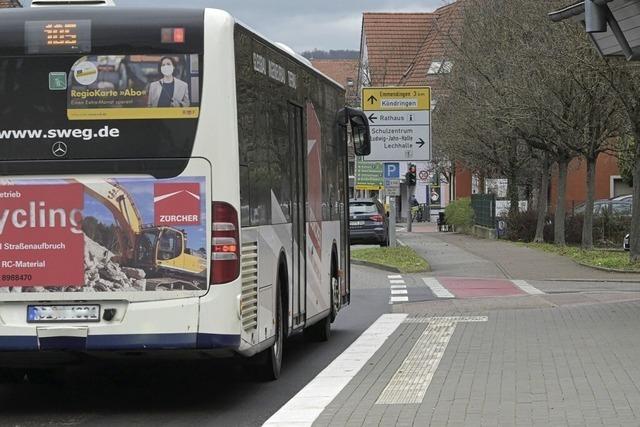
{"x": 269, "y": 361}
{"x": 321, "y": 331}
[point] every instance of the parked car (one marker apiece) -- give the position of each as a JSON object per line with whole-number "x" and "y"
{"x": 368, "y": 223}
{"x": 605, "y": 206}
{"x": 628, "y": 198}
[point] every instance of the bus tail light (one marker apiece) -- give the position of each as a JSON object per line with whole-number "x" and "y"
{"x": 172, "y": 35}
{"x": 225, "y": 244}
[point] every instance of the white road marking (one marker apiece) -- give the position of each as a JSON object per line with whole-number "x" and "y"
{"x": 394, "y": 276}
{"x": 438, "y": 290}
{"x": 399, "y": 292}
{"x": 412, "y": 379}
{"x": 396, "y": 281}
{"x": 398, "y": 286}
{"x": 526, "y": 287}
{"x": 398, "y": 299}
{"x": 305, "y": 407}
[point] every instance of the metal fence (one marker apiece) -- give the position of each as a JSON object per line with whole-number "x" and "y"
{"x": 484, "y": 208}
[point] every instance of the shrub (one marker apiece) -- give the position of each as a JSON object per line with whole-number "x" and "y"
{"x": 608, "y": 230}
{"x": 522, "y": 227}
{"x": 459, "y": 214}
{"x": 573, "y": 229}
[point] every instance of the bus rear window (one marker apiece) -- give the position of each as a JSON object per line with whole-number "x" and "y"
{"x": 99, "y": 106}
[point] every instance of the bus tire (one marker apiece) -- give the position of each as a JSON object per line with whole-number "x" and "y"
{"x": 321, "y": 331}
{"x": 270, "y": 361}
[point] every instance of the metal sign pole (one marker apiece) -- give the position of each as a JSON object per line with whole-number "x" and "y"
{"x": 392, "y": 222}
{"x": 410, "y": 212}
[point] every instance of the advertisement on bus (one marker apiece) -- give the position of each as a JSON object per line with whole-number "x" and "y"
{"x": 120, "y": 87}
{"x": 103, "y": 235}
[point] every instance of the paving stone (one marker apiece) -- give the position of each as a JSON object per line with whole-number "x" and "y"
{"x": 570, "y": 365}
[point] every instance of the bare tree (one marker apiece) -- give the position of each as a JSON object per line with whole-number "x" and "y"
{"x": 624, "y": 81}
{"x": 519, "y": 81}
{"x": 492, "y": 114}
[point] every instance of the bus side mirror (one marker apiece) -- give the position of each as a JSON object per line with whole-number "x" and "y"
{"x": 360, "y": 133}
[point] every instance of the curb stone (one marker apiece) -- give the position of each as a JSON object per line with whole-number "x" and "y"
{"x": 375, "y": 265}
{"x": 610, "y": 270}
{"x": 387, "y": 267}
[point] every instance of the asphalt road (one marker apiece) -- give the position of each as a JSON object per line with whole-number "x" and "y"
{"x": 219, "y": 392}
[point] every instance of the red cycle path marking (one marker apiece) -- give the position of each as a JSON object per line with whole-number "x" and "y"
{"x": 471, "y": 287}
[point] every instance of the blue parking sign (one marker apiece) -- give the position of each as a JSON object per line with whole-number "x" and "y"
{"x": 391, "y": 170}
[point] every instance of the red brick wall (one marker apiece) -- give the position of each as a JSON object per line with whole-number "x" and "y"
{"x": 463, "y": 183}
{"x": 606, "y": 167}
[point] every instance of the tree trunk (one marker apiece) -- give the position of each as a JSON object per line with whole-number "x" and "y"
{"x": 635, "y": 219}
{"x": 528, "y": 195}
{"x": 587, "y": 223}
{"x": 512, "y": 193}
{"x": 559, "y": 218}
{"x": 543, "y": 194}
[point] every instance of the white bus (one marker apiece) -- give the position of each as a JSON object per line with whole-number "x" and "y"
{"x": 169, "y": 181}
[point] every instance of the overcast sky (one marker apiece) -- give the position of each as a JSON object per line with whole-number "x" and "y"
{"x": 304, "y": 24}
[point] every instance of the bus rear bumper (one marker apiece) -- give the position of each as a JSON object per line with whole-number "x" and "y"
{"x": 137, "y": 326}
{"x": 121, "y": 342}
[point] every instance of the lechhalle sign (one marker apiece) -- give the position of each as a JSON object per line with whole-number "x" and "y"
{"x": 400, "y": 121}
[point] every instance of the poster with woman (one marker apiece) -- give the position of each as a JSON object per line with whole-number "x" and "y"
{"x": 119, "y": 87}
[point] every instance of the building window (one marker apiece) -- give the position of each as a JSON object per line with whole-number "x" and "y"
{"x": 440, "y": 67}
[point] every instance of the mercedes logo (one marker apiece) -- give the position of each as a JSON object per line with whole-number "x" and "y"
{"x": 59, "y": 149}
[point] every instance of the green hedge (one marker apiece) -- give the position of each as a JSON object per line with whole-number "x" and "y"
{"x": 608, "y": 230}
{"x": 459, "y": 214}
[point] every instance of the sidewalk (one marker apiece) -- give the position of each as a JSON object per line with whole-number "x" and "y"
{"x": 460, "y": 255}
{"x": 566, "y": 357}
{"x": 573, "y": 366}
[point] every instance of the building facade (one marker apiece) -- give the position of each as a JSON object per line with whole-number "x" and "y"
{"x": 409, "y": 49}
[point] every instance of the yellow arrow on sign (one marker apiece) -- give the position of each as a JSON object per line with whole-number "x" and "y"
{"x": 400, "y": 98}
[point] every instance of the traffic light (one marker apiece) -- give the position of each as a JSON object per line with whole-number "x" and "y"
{"x": 410, "y": 177}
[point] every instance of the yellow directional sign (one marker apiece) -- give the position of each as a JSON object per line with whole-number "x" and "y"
{"x": 400, "y": 122}
{"x": 396, "y": 98}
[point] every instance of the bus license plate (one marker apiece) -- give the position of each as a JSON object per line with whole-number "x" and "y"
{"x": 63, "y": 313}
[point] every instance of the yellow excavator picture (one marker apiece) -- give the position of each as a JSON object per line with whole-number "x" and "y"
{"x": 158, "y": 250}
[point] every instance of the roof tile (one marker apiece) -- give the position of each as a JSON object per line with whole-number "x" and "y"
{"x": 402, "y": 46}
{"x": 344, "y": 71}
{"x": 392, "y": 41}
{"x": 444, "y": 32}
